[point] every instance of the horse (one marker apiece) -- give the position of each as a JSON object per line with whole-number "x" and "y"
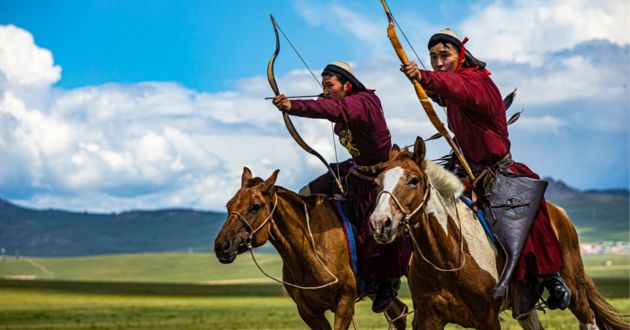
{"x": 455, "y": 265}
{"x": 308, "y": 235}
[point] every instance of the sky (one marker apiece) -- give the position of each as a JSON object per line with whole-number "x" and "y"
{"x": 117, "y": 105}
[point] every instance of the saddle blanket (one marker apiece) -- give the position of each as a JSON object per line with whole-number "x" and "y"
{"x": 349, "y": 234}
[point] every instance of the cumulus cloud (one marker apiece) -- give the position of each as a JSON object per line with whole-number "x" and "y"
{"x": 22, "y": 63}
{"x": 159, "y": 144}
{"x": 524, "y": 31}
{"x": 145, "y": 145}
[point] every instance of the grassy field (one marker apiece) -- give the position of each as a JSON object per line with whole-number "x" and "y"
{"x": 194, "y": 291}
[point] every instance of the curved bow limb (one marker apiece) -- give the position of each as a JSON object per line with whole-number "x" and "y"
{"x": 422, "y": 95}
{"x": 287, "y": 121}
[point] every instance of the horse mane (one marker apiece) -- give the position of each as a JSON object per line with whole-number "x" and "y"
{"x": 447, "y": 183}
{"x": 296, "y": 198}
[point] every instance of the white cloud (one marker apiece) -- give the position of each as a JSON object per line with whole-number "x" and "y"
{"x": 542, "y": 124}
{"x": 524, "y": 31}
{"x": 22, "y": 63}
{"x": 158, "y": 144}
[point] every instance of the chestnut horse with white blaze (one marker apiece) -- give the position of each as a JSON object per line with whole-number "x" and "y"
{"x": 455, "y": 265}
{"x": 310, "y": 239}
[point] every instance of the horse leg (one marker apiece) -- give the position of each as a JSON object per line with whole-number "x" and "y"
{"x": 531, "y": 322}
{"x": 344, "y": 313}
{"x": 424, "y": 321}
{"x": 396, "y": 314}
{"x": 314, "y": 320}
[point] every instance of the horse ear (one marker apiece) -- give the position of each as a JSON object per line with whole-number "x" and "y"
{"x": 395, "y": 150}
{"x": 246, "y": 176}
{"x": 266, "y": 186}
{"x": 419, "y": 150}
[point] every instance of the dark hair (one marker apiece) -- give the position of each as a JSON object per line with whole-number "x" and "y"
{"x": 469, "y": 60}
{"x": 342, "y": 79}
{"x": 343, "y": 76}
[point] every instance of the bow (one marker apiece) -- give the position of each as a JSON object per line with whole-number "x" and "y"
{"x": 287, "y": 121}
{"x": 422, "y": 95}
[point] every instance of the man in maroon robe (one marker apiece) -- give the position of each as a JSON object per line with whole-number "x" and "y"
{"x": 362, "y": 130}
{"x": 476, "y": 115}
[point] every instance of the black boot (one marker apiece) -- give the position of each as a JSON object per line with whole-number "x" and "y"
{"x": 387, "y": 291}
{"x": 559, "y": 293}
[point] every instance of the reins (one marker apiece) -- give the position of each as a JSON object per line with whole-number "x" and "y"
{"x": 249, "y": 239}
{"x": 408, "y": 228}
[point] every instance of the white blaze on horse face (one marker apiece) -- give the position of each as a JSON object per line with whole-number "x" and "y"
{"x": 384, "y": 203}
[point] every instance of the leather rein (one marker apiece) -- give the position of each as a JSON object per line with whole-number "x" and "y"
{"x": 249, "y": 239}
{"x": 407, "y": 215}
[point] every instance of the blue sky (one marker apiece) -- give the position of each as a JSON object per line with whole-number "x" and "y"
{"x": 114, "y": 105}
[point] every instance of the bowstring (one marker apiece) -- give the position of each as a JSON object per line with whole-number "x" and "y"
{"x": 332, "y": 127}
{"x": 410, "y": 45}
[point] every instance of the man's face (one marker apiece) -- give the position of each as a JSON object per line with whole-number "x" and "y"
{"x": 444, "y": 57}
{"x": 333, "y": 89}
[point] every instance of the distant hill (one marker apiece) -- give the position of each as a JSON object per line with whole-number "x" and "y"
{"x": 59, "y": 233}
{"x": 598, "y": 214}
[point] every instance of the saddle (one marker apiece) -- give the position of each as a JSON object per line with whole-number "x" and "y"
{"x": 510, "y": 203}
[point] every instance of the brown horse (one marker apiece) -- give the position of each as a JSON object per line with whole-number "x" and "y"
{"x": 455, "y": 265}
{"x": 310, "y": 239}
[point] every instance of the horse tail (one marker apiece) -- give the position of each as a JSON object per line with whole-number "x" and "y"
{"x": 605, "y": 315}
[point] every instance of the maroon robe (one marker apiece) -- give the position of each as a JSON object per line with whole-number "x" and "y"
{"x": 476, "y": 114}
{"x": 361, "y": 127}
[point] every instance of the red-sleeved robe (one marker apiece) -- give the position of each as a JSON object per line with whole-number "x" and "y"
{"x": 476, "y": 114}
{"x": 361, "y": 127}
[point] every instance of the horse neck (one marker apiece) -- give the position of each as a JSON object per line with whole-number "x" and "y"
{"x": 290, "y": 230}
{"x": 437, "y": 235}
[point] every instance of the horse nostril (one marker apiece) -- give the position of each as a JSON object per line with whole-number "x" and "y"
{"x": 388, "y": 222}
{"x": 226, "y": 246}
{"x": 371, "y": 226}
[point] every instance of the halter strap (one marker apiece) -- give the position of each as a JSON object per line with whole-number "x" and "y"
{"x": 252, "y": 231}
{"x": 407, "y": 216}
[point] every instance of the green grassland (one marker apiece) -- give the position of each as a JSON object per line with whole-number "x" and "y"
{"x": 194, "y": 291}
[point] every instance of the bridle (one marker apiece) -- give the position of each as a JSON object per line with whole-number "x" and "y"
{"x": 252, "y": 232}
{"x": 408, "y": 214}
{"x": 249, "y": 239}
{"x": 408, "y": 226}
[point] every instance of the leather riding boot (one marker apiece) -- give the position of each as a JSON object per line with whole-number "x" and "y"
{"x": 387, "y": 291}
{"x": 559, "y": 293}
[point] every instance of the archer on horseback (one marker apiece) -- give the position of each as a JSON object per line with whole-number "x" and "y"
{"x": 360, "y": 124}
{"x": 476, "y": 115}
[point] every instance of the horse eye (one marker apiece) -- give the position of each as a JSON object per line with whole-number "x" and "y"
{"x": 255, "y": 207}
{"x": 414, "y": 181}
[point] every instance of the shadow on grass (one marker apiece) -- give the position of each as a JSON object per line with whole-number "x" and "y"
{"x": 609, "y": 287}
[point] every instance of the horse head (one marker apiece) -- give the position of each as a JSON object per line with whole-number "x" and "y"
{"x": 402, "y": 191}
{"x": 249, "y": 219}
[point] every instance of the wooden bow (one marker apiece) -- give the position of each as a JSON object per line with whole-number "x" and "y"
{"x": 422, "y": 95}
{"x": 287, "y": 121}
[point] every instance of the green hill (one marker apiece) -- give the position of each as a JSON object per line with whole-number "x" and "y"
{"x": 51, "y": 233}
{"x": 599, "y": 216}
